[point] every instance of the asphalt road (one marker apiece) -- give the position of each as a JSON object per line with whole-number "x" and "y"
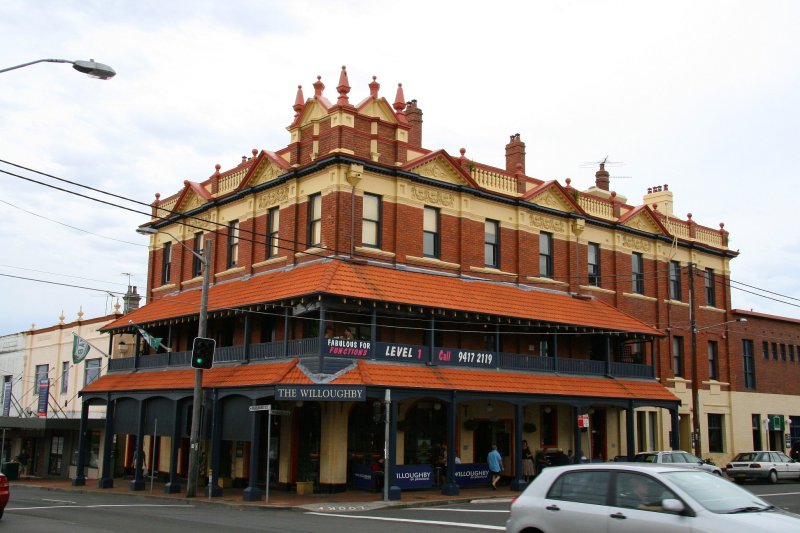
{"x": 33, "y": 510}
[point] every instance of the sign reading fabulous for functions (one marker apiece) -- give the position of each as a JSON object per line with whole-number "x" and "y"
{"x": 320, "y": 393}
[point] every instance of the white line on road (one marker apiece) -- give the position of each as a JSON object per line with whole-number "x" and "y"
{"x": 408, "y": 521}
{"x": 58, "y": 501}
{"x": 459, "y": 510}
{"x": 93, "y": 506}
{"x": 779, "y": 494}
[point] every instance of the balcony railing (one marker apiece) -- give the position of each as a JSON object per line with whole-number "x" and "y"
{"x": 337, "y": 353}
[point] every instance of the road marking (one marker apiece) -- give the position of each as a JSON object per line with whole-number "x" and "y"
{"x": 459, "y": 510}
{"x": 409, "y": 521}
{"x": 94, "y": 506}
{"x": 779, "y": 494}
{"x": 58, "y": 501}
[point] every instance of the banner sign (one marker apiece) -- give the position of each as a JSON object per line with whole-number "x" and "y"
{"x": 6, "y": 398}
{"x": 472, "y": 474}
{"x": 363, "y": 477}
{"x": 44, "y": 393}
{"x": 405, "y": 353}
{"x": 471, "y": 358}
{"x": 413, "y": 476}
{"x": 348, "y": 348}
{"x": 320, "y": 393}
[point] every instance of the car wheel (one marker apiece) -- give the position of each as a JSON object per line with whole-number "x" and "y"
{"x": 773, "y": 477}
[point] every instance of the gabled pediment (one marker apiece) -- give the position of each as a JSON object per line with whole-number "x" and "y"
{"x": 551, "y": 195}
{"x": 440, "y": 169}
{"x": 269, "y": 167}
{"x": 642, "y": 219}
{"x": 313, "y": 111}
{"x": 378, "y": 108}
{"x": 194, "y": 195}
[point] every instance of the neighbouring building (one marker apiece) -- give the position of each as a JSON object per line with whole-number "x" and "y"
{"x": 355, "y": 273}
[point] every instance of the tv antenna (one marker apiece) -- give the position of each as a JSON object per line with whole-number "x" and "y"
{"x": 602, "y": 163}
{"x": 129, "y": 277}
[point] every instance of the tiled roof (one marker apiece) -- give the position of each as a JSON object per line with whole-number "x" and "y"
{"x": 378, "y": 283}
{"x": 390, "y": 375}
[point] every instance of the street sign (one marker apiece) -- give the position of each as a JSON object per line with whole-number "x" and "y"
{"x": 268, "y": 407}
{"x": 583, "y": 421}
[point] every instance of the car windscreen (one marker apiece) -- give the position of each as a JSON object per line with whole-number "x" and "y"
{"x": 745, "y": 457}
{"x": 714, "y": 493}
{"x": 645, "y": 458}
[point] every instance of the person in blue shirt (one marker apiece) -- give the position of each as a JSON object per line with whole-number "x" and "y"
{"x": 495, "y": 465}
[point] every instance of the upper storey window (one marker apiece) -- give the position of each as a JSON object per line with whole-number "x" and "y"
{"x": 273, "y": 223}
{"x": 315, "y": 220}
{"x": 711, "y": 294}
{"x": 371, "y": 221}
{"x": 233, "y": 243}
{"x": 197, "y": 264}
{"x": 637, "y": 273}
{"x": 594, "y": 264}
{"x": 674, "y": 280}
{"x": 430, "y": 233}
{"x": 167, "y": 263}
{"x": 546, "y": 255}
{"x": 491, "y": 243}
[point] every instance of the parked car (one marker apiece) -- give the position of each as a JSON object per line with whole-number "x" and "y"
{"x": 4, "y": 493}
{"x": 677, "y": 458}
{"x": 771, "y": 466}
{"x": 641, "y": 497}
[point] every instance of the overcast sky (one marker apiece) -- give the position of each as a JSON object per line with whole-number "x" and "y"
{"x": 699, "y": 95}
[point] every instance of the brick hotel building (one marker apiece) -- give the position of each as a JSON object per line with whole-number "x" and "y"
{"x": 488, "y": 306}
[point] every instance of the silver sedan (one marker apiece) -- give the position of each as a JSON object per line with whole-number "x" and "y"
{"x": 770, "y": 466}
{"x": 628, "y": 497}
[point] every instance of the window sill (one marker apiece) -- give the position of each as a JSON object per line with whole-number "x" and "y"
{"x": 596, "y": 289}
{"x": 194, "y": 281}
{"x": 711, "y": 308}
{"x": 366, "y": 250}
{"x": 315, "y": 250}
{"x": 639, "y": 296}
{"x": 165, "y": 288}
{"x": 270, "y": 261}
{"x": 433, "y": 262}
{"x": 676, "y": 302}
{"x": 234, "y": 270}
{"x": 549, "y": 281}
{"x": 493, "y": 271}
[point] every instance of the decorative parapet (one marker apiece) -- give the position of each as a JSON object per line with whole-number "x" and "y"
{"x": 596, "y": 207}
{"x": 494, "y": 181}
{"x": 231, "y": 181}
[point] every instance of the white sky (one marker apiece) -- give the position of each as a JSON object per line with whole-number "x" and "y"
{"x": 701, "y": 95}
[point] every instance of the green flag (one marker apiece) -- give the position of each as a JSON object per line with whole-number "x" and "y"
{"x": 154, "y": 342}
{"x": 80, "y": 348}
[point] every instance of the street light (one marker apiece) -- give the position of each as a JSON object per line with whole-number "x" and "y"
{"x": 194, "y": 441}
{"x": 91, "y": 68}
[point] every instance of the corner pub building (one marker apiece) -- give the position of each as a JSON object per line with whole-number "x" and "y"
{"x": 356, "y": 274}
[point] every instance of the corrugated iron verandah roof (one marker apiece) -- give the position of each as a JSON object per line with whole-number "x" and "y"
{"x": 395, "y": 286}
{"x": 376, "y": 374}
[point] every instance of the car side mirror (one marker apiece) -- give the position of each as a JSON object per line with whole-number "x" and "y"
{"x": 671, "y": 505}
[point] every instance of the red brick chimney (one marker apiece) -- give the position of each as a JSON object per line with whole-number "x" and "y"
{"x": 601, "y": 177}
{"x": 414, "y": 117}
{"x": 515, "y": 154}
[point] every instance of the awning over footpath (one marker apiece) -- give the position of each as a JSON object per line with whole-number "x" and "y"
{"x": 374, "y": 374}
{"x": 396, "y": 286}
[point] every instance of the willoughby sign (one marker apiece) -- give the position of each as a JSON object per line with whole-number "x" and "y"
{"x": 321, "y": 393}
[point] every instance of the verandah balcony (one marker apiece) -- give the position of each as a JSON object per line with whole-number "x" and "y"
{"x": 338, "y": 353}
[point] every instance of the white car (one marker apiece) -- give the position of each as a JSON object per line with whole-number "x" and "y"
{"x": 770, "y": 466}
{"x": 676, "y": 458}
{"x": 651, "y": 498}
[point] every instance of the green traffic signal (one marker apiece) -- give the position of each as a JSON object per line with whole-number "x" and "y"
{"x": 203, "y": 353}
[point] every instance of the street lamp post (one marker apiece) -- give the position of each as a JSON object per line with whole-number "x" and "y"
{"x": 194, "y": 440}
{"x": 91, "y": 67}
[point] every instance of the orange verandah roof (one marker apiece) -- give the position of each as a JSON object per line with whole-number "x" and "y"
{"x": 389, "y": 375}
{"x": 370, "y": 282}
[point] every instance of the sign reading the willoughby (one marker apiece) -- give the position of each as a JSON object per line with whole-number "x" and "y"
{"x": 321, "y": 393}
{"x": 348, "y": 348}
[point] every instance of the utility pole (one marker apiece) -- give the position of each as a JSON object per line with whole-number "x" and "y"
{"x": 194, "y": 442}
{"x": 693, "y": 355}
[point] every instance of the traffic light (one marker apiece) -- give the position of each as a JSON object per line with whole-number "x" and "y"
{"x": 203, "y": 352}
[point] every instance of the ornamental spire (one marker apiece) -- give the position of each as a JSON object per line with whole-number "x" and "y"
{"x": 343, "y": 87}
{"x": 373, "y": 88}
{"x": 400, "y": 99}
{"x": 299, "y": 101}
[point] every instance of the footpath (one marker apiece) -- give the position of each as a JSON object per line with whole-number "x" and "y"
{"x": 351, "y": 500}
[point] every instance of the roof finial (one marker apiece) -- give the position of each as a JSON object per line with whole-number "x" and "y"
{"x": 318, "y": 88}
{"x": 298, "y": 101}
{"x": 373, "y": 88}
{"x": 400, "y": 99}
{"x": 217, "y": 167}
{"x": 343, "y": 87}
